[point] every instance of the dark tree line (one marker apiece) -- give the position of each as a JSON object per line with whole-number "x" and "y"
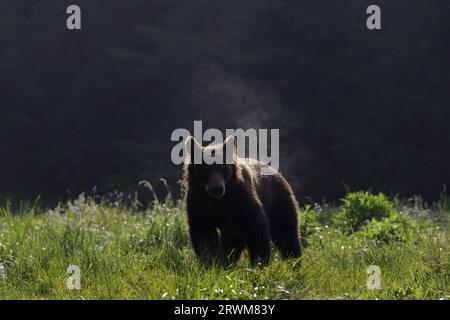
{"x": 366, "y": 109}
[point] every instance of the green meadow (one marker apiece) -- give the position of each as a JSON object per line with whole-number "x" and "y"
{"x": 126, "y": 253}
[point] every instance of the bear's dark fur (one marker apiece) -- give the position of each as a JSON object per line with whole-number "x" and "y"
{"x": 233, "y": 206}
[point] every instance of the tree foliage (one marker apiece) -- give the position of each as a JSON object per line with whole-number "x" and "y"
{"x": 97, "y": 106}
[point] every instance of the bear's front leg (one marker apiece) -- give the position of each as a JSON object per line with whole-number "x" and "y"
{"x": 232, "y": 246}
{"x": 258, "y": 237}
{"x": 205, "y": 241}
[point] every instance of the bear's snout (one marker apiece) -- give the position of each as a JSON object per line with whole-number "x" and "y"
{"x": 216, "y": 191}
{"x": 215, "y": 186}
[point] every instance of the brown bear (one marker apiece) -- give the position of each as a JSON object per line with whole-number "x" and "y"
{"x": 231, "y": 205}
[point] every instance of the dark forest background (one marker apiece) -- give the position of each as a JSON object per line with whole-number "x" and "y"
{"x": 96, "y": 107}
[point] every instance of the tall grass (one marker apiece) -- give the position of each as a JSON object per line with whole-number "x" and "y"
{"x": 123, "y": 253}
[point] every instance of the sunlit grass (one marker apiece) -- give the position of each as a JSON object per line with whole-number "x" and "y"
{"x": 123, "y": 254}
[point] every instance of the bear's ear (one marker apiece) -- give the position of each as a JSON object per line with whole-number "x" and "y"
{"x": 192, "y": 147}
{"x": 230, "y": 149}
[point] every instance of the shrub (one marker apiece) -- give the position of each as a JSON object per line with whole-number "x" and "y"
{"x": 393, "y": 228}
{"x": 309, "y": 223}
{"x": 359, "y": 208}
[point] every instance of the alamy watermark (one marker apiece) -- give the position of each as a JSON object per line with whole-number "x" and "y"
{"x": 251, "y": 145}
{"x": 2, "y": 271}
{"x": 73, "y": 21}
{"x": 74, "y": 280}
{"x": 374, "y": 20}
{"x": 374, "y": 280}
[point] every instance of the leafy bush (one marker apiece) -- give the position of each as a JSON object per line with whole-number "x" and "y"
{"x": 309, "y": 223}
{"x": 393, "y": 228}
{"x": 359, "y": 208}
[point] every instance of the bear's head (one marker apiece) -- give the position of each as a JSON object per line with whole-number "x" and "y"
{"x": 210, "y": 168}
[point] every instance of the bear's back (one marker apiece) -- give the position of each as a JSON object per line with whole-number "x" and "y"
{"x": 269, "y": 184}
